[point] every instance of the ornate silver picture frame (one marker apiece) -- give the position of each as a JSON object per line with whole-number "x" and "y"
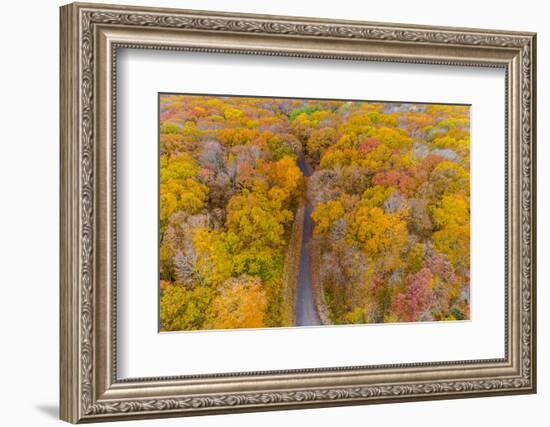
{"x": 91, "y": 34}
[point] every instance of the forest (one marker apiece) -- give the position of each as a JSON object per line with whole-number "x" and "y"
{"x": 386, "y": 187}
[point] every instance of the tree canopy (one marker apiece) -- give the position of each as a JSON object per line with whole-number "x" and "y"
{"x": 390, "y": 198}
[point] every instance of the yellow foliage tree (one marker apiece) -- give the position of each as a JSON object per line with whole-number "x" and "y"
{"x": 326, "y": 214}
{"x": 183, "y": 308}
{"x": 284, "y": 179}
{"x": 213, "y": 261}
{"x": 237, "y": 136}
{"x": 382, "y": 236}
{"x": 256, "y": 220}
{"x": 179, "y": 189}
{"x": 452, "y": 219}
{"x": 449, "y": 177}
{"x": 319, "y": 141}
{"x": 240, "y": 303}
{"x": 374, "y": 196}
{"x": 393, "y": 138}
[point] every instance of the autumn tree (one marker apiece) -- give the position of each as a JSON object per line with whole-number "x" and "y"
{"x": 179, "y": 189}
{"x": 240, "y": 303}
{"x": 414, "y": 301}
{"x": 184, "y": 309}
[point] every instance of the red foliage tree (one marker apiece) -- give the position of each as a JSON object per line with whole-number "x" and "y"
{"x": 409, "y": 305}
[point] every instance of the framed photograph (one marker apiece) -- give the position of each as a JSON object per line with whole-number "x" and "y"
{"x": 266, "y": 212}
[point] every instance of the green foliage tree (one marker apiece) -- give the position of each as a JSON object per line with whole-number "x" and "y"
{"x": 183, "y": 308}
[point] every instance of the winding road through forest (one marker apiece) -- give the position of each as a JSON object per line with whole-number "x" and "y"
{"x": 305, "y": 311}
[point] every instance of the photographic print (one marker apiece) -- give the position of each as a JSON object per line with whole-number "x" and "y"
{"x": 283, "y": 212}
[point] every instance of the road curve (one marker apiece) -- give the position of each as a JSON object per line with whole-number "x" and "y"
{"x": 305, "y": 311}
